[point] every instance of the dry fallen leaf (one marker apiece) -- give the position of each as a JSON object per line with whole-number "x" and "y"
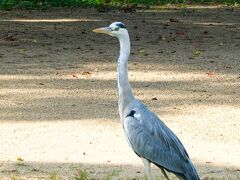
{"x": 173, "y": 20}
{"x": 34, "y": 170}
{"x": 141, "y": 51}
{"x": 21, "y": 51}
{"x": 197, "y": 53}
{"x": 154, "y": 99}
{"x": 161, "y": 37}
{"x": 210, "y": 73}
{"x": 86, "y": 73}
{"x": 208, "y": 162}
{"x": 9, "y": 37}
{"x": 180, "y": 33}
{"x": 20, "y": 160}
{"x": 75, "y": 76}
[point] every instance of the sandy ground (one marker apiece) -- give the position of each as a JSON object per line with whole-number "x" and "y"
{"x": 58, "y": 100}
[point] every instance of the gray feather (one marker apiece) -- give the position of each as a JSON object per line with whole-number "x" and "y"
{"x": 152, "y": 139}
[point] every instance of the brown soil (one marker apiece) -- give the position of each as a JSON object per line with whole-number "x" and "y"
{"x": 58, "y": 100}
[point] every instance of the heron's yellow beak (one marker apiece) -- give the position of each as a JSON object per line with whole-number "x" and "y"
{"x": 104, "y": 30}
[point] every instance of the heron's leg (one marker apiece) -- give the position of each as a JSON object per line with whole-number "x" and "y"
{"x": 147, "y": 167}
{"x": 164, "y": 173}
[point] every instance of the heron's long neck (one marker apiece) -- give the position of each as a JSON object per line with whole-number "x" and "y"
{"x": 124, "y": 88}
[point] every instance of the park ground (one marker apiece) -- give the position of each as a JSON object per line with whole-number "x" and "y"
{"x": 58, "y": 99}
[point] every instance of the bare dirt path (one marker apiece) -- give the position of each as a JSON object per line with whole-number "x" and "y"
{"x": 58, "y": 100}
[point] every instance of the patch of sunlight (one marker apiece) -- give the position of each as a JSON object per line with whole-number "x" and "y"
{"x": 158, "y": 10}
{"x": 174, "y": 8}
{"x": 219, "y": 154}
{"x": 140, "y": 76}
{"x": 156, "y": 76}
{"x": 49, "y": 20}
{"x": 171, "y": 6}
{"x": 85, "y": 141}
{"x": 214, "y": 24}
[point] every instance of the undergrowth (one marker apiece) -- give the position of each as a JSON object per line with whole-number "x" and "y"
{"x": 44, "y": 4}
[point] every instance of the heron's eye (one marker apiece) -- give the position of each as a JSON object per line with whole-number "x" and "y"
{"x": 116, "y": 28}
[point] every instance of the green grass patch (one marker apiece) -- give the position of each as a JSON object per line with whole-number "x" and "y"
{"x": 43, "y": 4}
{"x": 53, "y": 176}
{"x": 111, "y": 175}
{"x": 81, "y": 175}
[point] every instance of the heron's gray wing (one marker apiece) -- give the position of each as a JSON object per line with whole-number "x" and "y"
{"x": 152, "y": 139}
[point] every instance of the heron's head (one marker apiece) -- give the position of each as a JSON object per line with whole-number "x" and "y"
{"x": 116, "y": 29}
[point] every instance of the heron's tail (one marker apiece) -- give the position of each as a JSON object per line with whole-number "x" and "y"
{"x": 191, "y": 173}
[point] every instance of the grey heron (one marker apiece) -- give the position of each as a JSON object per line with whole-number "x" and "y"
{"x": 147, "y": 135}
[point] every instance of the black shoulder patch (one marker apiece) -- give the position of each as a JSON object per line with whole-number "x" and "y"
{"x": 121, "y": 25}
{"x": 131, "y": 113}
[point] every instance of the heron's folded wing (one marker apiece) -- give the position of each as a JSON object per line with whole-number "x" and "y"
{"x": 155, "y": 142}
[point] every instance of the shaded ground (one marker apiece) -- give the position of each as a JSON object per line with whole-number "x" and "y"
{"x": 58, "y": 103}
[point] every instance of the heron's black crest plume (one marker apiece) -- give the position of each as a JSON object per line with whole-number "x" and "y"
{"x": 121, "y": 25}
